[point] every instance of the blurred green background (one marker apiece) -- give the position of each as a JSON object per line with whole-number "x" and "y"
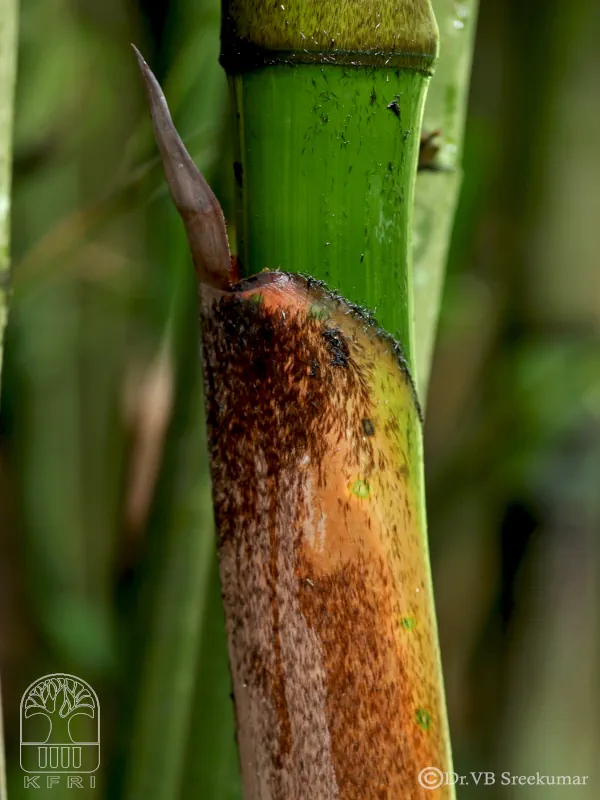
{"x": 107, "y": 566}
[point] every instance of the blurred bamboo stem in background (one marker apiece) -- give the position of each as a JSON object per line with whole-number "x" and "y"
{"x": 8, "y": 69}
{"x": 181, "y": 613}
{"x": 438, "y": 187}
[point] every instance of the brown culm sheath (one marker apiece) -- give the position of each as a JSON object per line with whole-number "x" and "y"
{"x": 314, "y": 433}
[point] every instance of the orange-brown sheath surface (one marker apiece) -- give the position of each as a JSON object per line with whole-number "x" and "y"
{"x": 315, "y": 445}
{"x": 315, "y": 442}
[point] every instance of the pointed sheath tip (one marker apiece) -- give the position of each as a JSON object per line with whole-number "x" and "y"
{"x": 159, "y": 109}
{"x": 198, "y": 207}
{"x": 156, "y": 96}
{"x": 140, "y": 57}
{"x": 150, "y": 81}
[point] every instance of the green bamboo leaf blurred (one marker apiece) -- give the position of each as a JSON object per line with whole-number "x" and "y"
{"x": 70, "y": 339}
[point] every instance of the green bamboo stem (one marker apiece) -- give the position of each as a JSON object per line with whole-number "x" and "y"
{"x": 327, "y": 134}
{"x": 328, "y": 115}
{"x": 437, "y": 191}
{"x": 8, "y": 69}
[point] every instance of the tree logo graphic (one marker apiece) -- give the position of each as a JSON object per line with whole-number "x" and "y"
{"x": 60, "y": 726}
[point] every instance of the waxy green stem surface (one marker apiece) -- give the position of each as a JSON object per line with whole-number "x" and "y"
{"x": 328, "y": 106}
{"x": 325, "y": 175}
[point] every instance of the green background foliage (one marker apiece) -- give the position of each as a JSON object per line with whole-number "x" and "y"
{"x": 107, "y": 559}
